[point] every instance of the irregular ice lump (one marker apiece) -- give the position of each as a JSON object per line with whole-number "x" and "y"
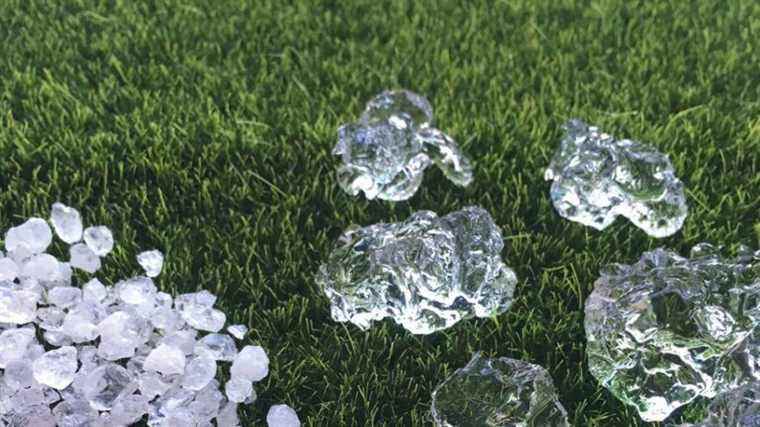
{"x": 426, "y": 273}
{"x": 597, "y": 177}
{"x": 386, "y": 151}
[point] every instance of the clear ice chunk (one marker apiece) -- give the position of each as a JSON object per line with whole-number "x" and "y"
{"x": 217, "y": 347}
{"x": 237, "y": 331}
{"x": 238, "y": 390}
{"x": 426, "y": 273}
{"x": 739, "y": 407}
{"x": 34, "y": 236}
{"x": 17, "y": 306}
{"x": 152, "y": 262}
{"x": 166, "y": 359}
{"x": 282, "y": 416}
{"x": 386, "y": 151}
{"x": 105, "y": 385}
{"x": 83, "y": 258}
{"x": 597, "y": 177}
{"x": 14, "y": 344}
{"x": 252, "y": 364}
{"x": 199, "y": 373}
{"x": 500, "y": 392}
{"x": 99, "y": 239}
{"x": 67, "y": 223}
{"x": 669, "y": 329}
{"x": 56, "y": 368}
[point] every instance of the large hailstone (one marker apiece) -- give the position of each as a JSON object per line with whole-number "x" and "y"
{"x": 499, "y": 392}
{"x": 597, "y": 177}
{"x": 426, "y": 273}
{"x": 736, "y": 408}
{"x": 666, "y": 330}
{"x": 386, "y": 151}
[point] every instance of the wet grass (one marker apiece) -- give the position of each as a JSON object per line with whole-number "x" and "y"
{"x": 204, "y": 129}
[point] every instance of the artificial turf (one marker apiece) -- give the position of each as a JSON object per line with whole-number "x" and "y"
{"x": 204, "y": 129}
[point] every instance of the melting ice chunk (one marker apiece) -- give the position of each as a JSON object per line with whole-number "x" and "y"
{"x": 282, "y": 416}
{"x": 386, "y": 151}
{"x": 498, "y": 392}
{"x": 83, "y": 258}
{"x": 34, "y": 236}
{"x": 668, "y": 329}
{"x": 67, "y": 223}
{"x": 736, "y": 408}
{"x": 596, "y": 178}
{"x": 99, "y": 239}
{"x": 427, "y": 272}
{"x": 152, "y": 262}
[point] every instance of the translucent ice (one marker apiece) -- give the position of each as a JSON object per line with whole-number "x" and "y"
{"x": 596, "y": 178}
{"x": 99, "y": 239}
{"x": 386, "y": 151}
{"x": 17, "y": 306}
{"x": 251, "y": 364}
{"x": 56, "y": 368}
{"x": 165, "y": 359}
{"x": 427, "y": 272}
{"x": 105, "y": 384}
{"x": 669, "y": 329}
{"x": 237, "y": 331}
{"x": 499, "y": 392}
{"x": 14, "y": 343}
{"x": 67, "y": 223}
{"x": 282, "y": 416}
{"x": 238, "y": 390}
{"x": 736, "y": 408}
{"x": 152, "y": 262}
{"x": 199, "y": 372}
{"x": 83, "y": 258}
{"x": 34, "y": 236}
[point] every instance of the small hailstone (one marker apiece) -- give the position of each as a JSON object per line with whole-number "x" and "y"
{"x": 83, "y": 258}
{"x": 199, "y": 372}
{"x": 75, "y": 412}
{"x": 217, "y": 347}
{"x": 237, "y": 331}
{"x": 14, "y": 344}
{"x": 94, "y": 291}
{"x": 129, "y": 410}
{"x": 228, "y": 416}
{"x": 165, "y": 359}
{"x": 251, "y": 364}
{"x": 67, "y": 223}
{"x": 56, "y": 368}
{"x": 238, "y": 390}
{"x": 282, "y": 416}
{"x": 8, "y": 270}
{"x": 18, "y": 374}
{"x": 17, "y": 306}
{"x": 204, "y": 318}
{"x": 43, "y": 268}
{"x": 99, "y": 239}
{"x": 152, "y": 384}
{"x": 137, "y": 290}
{"x": 34, "y": 235}
{"x": 152, "y": 262}
{"x": 64, "y": 296}
{"x": 105, "y": 384}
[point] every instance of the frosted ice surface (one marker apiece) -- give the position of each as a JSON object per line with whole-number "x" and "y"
{"x": 199, "y": 372}
{"x": 56, "y": 368}
{"x": 237, "y": 331}
{"x": 14, "y": 344}
{"x": 597, "y": 177}
{"x": 217, "y": 347}
{"x": 282, "y": 416}
{"x": 165, "y": 359}
{"x": 8, "y": 270}
{"x": 668, "y": 329}
{"x": 34, "y": 236}
{"x": 426, "y": 273}
{"x": 99, "y": 239}
{"x": 83, "y": 258}
{"x": 67, "y": 223}
{"x": 252, "y": 364}
{"x": 17, "y": 306}
{"x": 238, "y": 390}
{"x": 386, "y": 151}
{"x": 152, "y": 262}
{"x": 137, "y": 290}
{"x": 499, "y": 392}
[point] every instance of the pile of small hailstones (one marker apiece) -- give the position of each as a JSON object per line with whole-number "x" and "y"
{"x": 112, "y": 355}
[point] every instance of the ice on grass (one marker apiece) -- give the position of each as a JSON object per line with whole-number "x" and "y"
{"x": 251, "y": 364}
{"x": 427, "y": 273}
{"x": 67, "y": 223}
{"x": 669, "y": 329}
{"x": 739, "y": 407}
{"x": 111, "y": 355}
{"x": 386, "y": 151}
{"x": 83, "y": 258}
{"x": 166, "y": 359}
{"x": 282, "y": 416}
{"x": 33, "y": 236}
{"x": 152, "y": 262}
{"x": 237, "y": 331}
{"x": 99, "y": 239}
{"x": 500, "y": 392}
{"x": 597, "y": 177}
{"x": 56, "y": 368}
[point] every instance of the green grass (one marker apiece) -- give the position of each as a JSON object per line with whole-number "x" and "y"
{"x": 205, "y": 128}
